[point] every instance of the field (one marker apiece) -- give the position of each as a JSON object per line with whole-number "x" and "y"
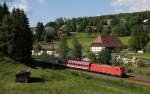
{"x": 125, "y": 40}
{"x": 84, "y": 39}
{"x": 138, "y": 70}
{"x": 54, "y": 80}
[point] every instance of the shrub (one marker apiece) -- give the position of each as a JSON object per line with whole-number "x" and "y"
{"x": 75, "y": 74}
{"x": 140, "y": 63}
{"x": 148, "y": 47}
{"x": 92, "y": 57}
{"x": 44, "y": 78}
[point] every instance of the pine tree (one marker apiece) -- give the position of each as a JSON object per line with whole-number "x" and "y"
{"x": 23, "y": 37}
{"x": 40, "y": 30}
{"x": 1, "y": 13}
{"x": 7, "y": 36}
{"x": 4, "y": 29}
{"x": 5, "y": 9}
{"x": 77, "y": 49}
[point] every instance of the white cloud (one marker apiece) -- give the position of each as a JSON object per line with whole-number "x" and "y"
{"x": 132, "y": 5}
{"x": 23, "y": 4}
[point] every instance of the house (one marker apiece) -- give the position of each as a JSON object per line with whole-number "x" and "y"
{"x": 37, "y": 53}
{"x": 33, "y": 29}
{"x": 145, "y": 21}
{"x": 49, "y": 49}
{"x": 109, "y": 21}
{"x": 105, "y": 41}
{"x": 123, "y": 20}
{"x": 63, "y": 29}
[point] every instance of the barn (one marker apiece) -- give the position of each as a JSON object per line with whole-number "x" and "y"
{"x": 105, "y": 41}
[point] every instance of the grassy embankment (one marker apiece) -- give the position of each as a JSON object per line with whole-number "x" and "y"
{"x": 61, "y": 81}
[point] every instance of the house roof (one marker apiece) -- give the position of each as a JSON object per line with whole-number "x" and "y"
{"x": 107, "y": 41}
{"x": 49, "y": 47}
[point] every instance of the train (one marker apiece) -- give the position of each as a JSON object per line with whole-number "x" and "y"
{"x": 88, "y": 66}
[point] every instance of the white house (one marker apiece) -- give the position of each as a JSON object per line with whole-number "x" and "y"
{"x": 37, "y": 53}
{"x": 105, "y": 41}
{"x": 49, "y": 49}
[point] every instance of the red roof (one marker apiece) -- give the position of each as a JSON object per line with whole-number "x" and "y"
{"x": 98, "y": 39}
{"x": 48, "y": 47}
{"x": 107, "y": 41}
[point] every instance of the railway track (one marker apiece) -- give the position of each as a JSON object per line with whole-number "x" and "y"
{"x": 131, "y": 79}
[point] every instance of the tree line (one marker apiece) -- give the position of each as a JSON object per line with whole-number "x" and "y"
{"x": 103, "y": 24}
{"x": 42, "y": 33}
{"x": 136, "y": 25}
{"x": 15, "y": 35}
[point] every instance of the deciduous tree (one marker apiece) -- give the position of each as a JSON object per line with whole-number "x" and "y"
{"x": 77, "y": 49}
{"x": 104, "y": 57}
{"x": 63, "y": 49}
{"x": 139, "y": 38}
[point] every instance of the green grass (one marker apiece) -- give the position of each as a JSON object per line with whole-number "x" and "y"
{"x": 138, "y": 70}
{"x": 84, "y": 39}
{"x": 125, "y": 40}
{"x": 144, "y": 57}
{"x": 61, "y": 81}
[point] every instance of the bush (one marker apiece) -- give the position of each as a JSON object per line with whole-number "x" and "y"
{"x": 148, "y": 47}
{"x": 92, "y": 57}
{"x": 115, "y": 63}
{"x": 140, "y": 63}
{"x": 75, "y": 74}
{"x": 44, "y": 78}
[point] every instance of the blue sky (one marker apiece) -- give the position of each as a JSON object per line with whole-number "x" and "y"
{"x": 49, "y": 10}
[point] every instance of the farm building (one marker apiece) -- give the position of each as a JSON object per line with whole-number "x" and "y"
{"x": 105, "y": 41}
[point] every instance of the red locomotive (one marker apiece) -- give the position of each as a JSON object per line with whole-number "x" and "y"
{"x": 85, "y": 65}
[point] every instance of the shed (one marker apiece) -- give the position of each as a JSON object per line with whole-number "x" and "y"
{"x": 23, "y": 76}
